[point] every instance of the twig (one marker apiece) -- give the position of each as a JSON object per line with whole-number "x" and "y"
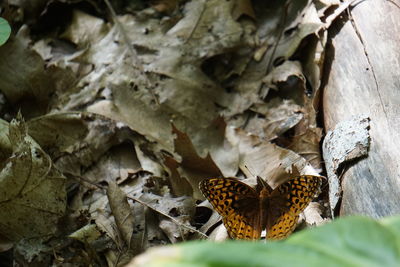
{"x": 282, "y": 29}
{"x": 197, "y": 23}
{"x": 394, "y": 3}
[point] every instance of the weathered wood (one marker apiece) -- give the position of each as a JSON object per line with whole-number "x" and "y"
{"x": 364, "y": 78}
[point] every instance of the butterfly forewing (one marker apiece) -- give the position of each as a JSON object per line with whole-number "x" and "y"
{"x": 287, "y": 201}
{"x": 237, "y": 203}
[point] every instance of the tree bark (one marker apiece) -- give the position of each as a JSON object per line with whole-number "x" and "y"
{"x": 364, "y": 79}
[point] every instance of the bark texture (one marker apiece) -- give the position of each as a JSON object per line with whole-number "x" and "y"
{"x": 364, "y": 79}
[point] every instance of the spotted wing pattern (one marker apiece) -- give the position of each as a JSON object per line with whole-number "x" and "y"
{"x": 283, "y": 226}
{"x": 287, "y": 201}
{"x": 237, "y": 203}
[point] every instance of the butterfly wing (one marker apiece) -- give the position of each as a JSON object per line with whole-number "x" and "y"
{"x": 240, "y": 227}
{"x": 283, "y": 226}
{"x": 237, "y": 203}
{"x": 287, "y": 201}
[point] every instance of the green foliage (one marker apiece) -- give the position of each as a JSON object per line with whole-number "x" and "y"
{"x": 351, "y": 241}
{"x": 5, "y": 31}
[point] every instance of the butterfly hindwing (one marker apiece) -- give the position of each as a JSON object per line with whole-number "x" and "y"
{"x": 237, "y": 203}
{"x": 285, "y": 225}
{"x": 239, "y": 227}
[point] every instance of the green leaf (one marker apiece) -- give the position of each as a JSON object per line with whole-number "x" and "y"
{"x": 5, "y": 31}
{"x": 351, "y": 241}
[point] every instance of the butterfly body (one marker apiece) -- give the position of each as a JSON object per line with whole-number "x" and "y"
{"x": 247, "y": 211}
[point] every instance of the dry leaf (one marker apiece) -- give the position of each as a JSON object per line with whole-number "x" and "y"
{"x": 86, "y": 234}
{"x": 194, "y": 168}
{"x": 121, "y": 211}
{"x": 243, "y": 7}
{"x": 28, "y": 81}
{"x": 264, "y": 159}
{"x": 33, "y": 191}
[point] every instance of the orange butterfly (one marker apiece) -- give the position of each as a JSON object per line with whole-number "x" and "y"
{"x": 246, "y": 211}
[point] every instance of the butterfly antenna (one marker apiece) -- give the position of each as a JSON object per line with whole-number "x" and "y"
{"x": 247, "y": 168}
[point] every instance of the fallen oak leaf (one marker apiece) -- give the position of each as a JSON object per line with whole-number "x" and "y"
{"x": 193, "y": 167}
{"x": 190, "y": 159}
